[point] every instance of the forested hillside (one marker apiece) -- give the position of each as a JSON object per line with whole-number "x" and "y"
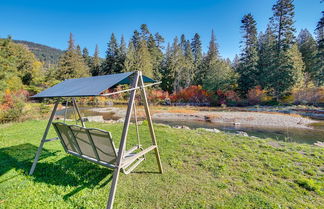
{"x": 47, "y": 55}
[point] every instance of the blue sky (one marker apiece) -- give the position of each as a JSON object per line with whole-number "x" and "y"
{"x": 92, "y": 22}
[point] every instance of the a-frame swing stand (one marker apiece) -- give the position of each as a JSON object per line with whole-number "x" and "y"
{"x": 121, "y": 161}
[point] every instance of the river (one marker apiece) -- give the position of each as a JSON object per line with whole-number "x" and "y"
{"x": 298, "y": 135}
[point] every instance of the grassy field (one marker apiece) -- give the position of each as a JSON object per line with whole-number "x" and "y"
{"x": 202, "y": 170}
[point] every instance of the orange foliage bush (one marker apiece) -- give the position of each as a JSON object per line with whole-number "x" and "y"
{"x": 157, "y": 96}
{"x": 193, "y": 94}
{"x": 256, "y": 95}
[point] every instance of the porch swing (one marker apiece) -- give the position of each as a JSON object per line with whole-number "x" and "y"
{"x": 94, "y": 144}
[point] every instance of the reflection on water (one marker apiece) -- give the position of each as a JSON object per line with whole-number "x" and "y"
{"x": 309, "y": 136}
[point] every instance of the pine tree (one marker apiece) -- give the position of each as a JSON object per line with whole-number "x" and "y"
{"x": 197, "y": 54}
{"x": 211, "y": 58}
{"x": 297, "y": 65}
{"x": 143, "y": 59}
{"x": 159, "y": 40}
{"x": 175, "y": 65}
{"x": 248, "y": 67}
{"x": 217, "y": 73}
{"x": 188, "y": 69}
{"x": 111, "y": 64}
{"x": 167, "y": 75}
{"x": 267, "y": 55}
{"x": 282, "y": 22}
{"x": 121, "y": 55}
{"x": 86, "y": 57}
{"x": 130, "y": 61}
{"x": 95, "y": 62}
{"x": 308, "y": 48}
{"x": 183, "y": 42}
{"x": 71, "y": 64}
{"x": 71, "y": 45}
{"x": 145, "y": 33}
{"x": 220, "y": 76}
{"x": 235, "y": 62}
{"x": 154, "y": 47}
{"x": 319, "y": 61}
{"x": 78, "y": 50}
{"x": 136, "y": 39}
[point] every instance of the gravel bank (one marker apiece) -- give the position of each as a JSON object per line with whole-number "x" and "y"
{"x": 244, "y": 118}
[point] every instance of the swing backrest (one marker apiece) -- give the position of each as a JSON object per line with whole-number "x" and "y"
{"x": 87, "y": 142}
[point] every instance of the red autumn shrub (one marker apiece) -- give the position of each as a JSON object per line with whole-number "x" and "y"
{"x": 256, "y": 95}
{"x": 193, "y": 94}
{"x": 157, "y": 96}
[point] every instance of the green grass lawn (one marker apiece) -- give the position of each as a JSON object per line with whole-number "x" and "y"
{"x": 202, "y": 170}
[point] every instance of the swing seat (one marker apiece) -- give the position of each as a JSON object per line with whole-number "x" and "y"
{"x": 97, "y": 146}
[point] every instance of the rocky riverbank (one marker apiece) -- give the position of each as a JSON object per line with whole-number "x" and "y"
{"x": 241, "y": 118}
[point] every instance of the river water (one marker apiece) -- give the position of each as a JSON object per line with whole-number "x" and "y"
{"x": 308, "y": 136}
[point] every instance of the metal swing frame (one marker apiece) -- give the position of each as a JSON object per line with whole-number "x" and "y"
{"x": 121, "y": 161}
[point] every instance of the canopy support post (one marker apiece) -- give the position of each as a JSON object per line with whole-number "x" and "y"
{"x": 78, "y": 111}
{"x": 150, "y": 123}
{"x": 122, "y": 144}
{"x": 44, "y": 138}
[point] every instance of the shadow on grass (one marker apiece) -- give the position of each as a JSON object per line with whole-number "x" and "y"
{"x": 67, "y": 171}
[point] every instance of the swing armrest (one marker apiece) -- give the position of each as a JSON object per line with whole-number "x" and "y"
{"x": 131, "y": 159}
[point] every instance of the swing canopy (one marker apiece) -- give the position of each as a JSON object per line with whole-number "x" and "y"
{"x": 94, "y": 144}
{"x": 88, "y": 86}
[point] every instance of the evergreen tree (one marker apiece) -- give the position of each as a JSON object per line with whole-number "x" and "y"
{"x": 121, "y": 55}
{"x": 71, "y": 45}
{"x": 71, "y": 64}
{"x": 78, "y": 50}
{"x": 267, "y": 55}
{"x": 175, "y": 65}
{"x": 86, "y": 57}
{"x": 143, "y": 59}
{"x": 297, "y": 66}
{"x": 136, "y": 39}
{"x": 308, "y": 48}
{"x": 197, "y": 55}
{"x": 159, "y": 40}
{"x": 248, "y": 67}
{"x": 112, "y": 62}
{"x": 208, "y": 61}
{"x": 282, "y": 76}
{"x": 187, "y": 73}
{"x": 196, "y": 49}
{"x": 217, "y": 73}
{"x": 183, "y": 42}
{"x": 145, "y": 33}
{"x": 235, "y": 62}
{"x": 95, "y": 62}
{"x": 130, "y": 61}
{"x": 167, "y": 75}
{"x": 319, "y": 61}
{"x": 282, "y": 23}
{"x": 220, "y": 76}
{"x": 156, "y": 55}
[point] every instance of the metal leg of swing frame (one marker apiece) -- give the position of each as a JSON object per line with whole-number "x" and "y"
{"x": 122, "y": 144}
{"x": 150, "y": 123}
{"x": 43, "y": 139}
{"x": 78, "y": 111}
